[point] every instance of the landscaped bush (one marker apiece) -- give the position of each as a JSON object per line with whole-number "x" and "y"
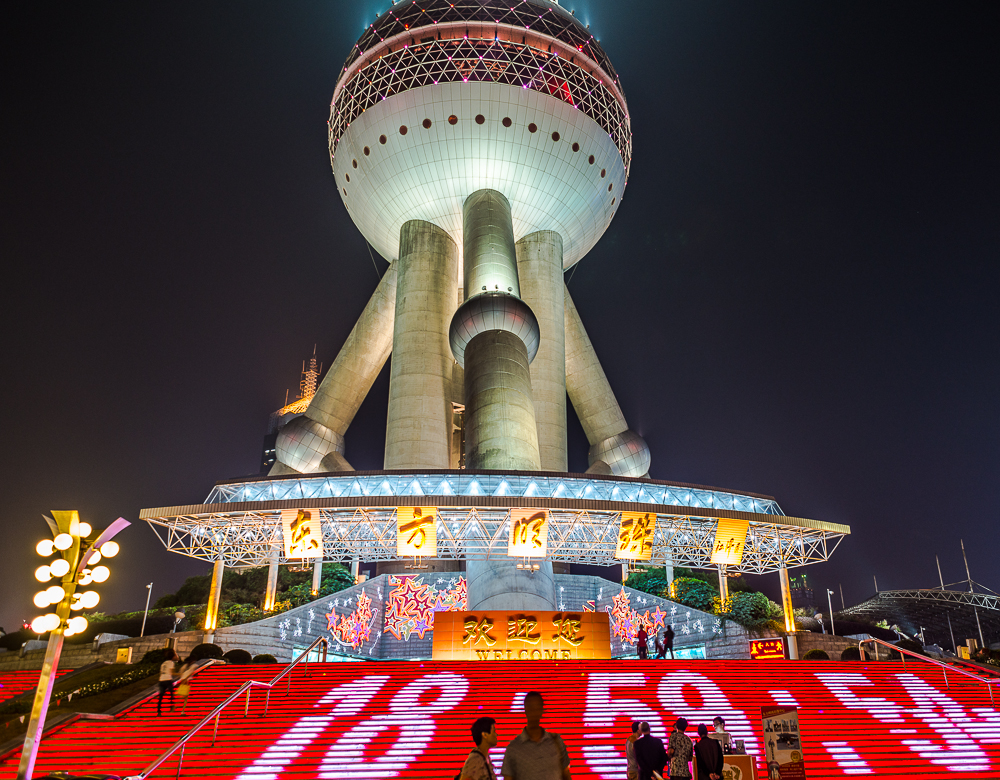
{"x": 157, "y": 656}
{"x": 204, "y": 651}
{"x": 648, "y": 580}
{"x": 816, "y": 655}
{"x": 264, "y": 658}
{"x": 693, "y": 593}
{"x": 911, "y": 645}
{"x": 754, "y": 611}
{"x": 850, "y": 654}
{"x": 238, "y": 657}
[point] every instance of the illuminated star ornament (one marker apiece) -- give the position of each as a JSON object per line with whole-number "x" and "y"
{"x": 409, "y": 607}
{"x": 354, "y": 629}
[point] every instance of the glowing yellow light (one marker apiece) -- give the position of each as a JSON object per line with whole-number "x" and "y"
{"x": 55, "y": 594}
{"x": 101, "y": 573}
{"x": 85, "y": 530}
{"x": 63, "y": 542}
{"x": 90, "y": 599}
{"x": 45, "y": 548}
{"x": 42, "y": 599}
{"x": 109, "y": 549}
{"x": 59, "y": 567}
{"x": 43, "y": 574}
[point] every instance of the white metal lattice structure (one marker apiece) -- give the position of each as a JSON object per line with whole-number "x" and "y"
{"x": 581, "y": 530}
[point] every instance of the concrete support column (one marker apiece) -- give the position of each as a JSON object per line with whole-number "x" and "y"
{"x": 418, "y": 429}
{"x": 305, "y": 443}
{"x": 271, "y": 591}
{"x": 786, "y": 608}
{"x": 214, "y": 600}
{"x": 723, "y": 585}
{"x": 669, "y": 567}
{"x": 614, "y": 448}
{"x": 317, "y": 576}
{"x": 495, "y": 336}
{"x": 540, "y": 271}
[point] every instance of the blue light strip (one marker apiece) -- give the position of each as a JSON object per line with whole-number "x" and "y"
{"x": 409, "y": 485}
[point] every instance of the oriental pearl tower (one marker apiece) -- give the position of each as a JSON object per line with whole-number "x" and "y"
{"x": 482, "y": 147}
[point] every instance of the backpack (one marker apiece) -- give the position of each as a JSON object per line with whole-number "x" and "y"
{"x": 459, "y": 775}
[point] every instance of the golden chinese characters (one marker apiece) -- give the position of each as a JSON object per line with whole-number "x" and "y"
{"x": 302, "y": 532}
{"x": 529, "y": 530}
{"x": 416, "y": 531}
{"x": 635, "y": 536}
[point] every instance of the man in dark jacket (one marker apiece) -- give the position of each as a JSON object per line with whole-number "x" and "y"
{"x": 649, "y": 753}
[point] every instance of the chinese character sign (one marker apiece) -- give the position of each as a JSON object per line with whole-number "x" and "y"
{"x": 767, "y": 649}
{"x": 303, "y": 534}
{"x": 730, "y": 537}
{"x": 635, "y": 536}
{"x": 529, "y": 529}
{"x": 521, "y": 636}
{"x": 782, "y": 746}
{"x": 416, "y": 531}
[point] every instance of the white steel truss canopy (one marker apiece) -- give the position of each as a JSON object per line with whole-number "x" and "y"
{"x": 242, "y": 524}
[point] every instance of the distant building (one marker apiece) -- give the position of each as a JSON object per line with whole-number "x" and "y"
{"x": 802, "y": 592}
{"x": 288, "y": 412}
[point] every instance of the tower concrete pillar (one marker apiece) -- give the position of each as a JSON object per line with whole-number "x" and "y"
{"x": 540, "y": 271}
{"x": 614, "y": 448}
{"x": 271, "y": 590}
{"x": 494, "y": 336}
{"x": 214, "y": 600}
{"x": 317, "y": 576}
{"x": 305, "y": 443}
{"x": 418, "y": 429}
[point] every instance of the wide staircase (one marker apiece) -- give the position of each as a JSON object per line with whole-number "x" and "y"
{"x": 411, "y": 720}
{"x": 15, "y": 683}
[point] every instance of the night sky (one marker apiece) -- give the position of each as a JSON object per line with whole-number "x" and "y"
{"x": 797, "y": 296}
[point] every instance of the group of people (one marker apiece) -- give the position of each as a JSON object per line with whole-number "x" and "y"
{"x": 172, "y": 671}
{"x": 642, "y": 643}
{"x": 649, "y": 759}
{"x": 539, "y": 754}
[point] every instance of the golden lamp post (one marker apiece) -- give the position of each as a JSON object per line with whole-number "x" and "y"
{"x": 76, "y": 551}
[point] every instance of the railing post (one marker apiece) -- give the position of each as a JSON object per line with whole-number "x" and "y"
{"x": 288, "y": 690}
{"x": 215, "y": 731}
{"x": 180, "y": 760}
{"x": 267, "y": 701}
{"x": 246, "y": 707}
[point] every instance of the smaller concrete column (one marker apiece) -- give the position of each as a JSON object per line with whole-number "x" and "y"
{"x": 317, "y": 576}
{"x": 271, "y": 590}
{"x": 723, "y": 585}
{"x": 669, "y": 568}
{"x": 214, "y": 600}
{"x": 786, "y": 607}
{"x": 355, "y": 568}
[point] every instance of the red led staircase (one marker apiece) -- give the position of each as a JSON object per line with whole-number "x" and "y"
{"x": 379, "y": 720}
{"x": 15, "y": 683}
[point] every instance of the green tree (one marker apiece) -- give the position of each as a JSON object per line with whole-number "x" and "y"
{"x": 754, "y": 611}
{"x": 648, "y": 580}
{"x": 694, "y": 593}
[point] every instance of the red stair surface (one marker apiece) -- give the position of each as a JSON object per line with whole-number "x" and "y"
{"x": 379, "y": 720}
{"x": 15, "y": 683}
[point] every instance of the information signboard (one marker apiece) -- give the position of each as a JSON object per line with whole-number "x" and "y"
{"x": 782, "y": 743}
{"x": 767, "y": 649}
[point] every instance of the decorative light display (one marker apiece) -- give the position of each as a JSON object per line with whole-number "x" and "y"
{"x": 412, "y": 720}
{"x": 411, "y": 604}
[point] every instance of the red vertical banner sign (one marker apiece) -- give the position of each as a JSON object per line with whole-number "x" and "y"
{"x": 782, "y": 743}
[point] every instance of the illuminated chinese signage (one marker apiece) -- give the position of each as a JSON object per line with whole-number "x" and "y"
{"x": 302, "y": 532}
{"x": 521, "y": 636}
{"x": 635, "y": 536}
{"x": 730, "y": 537}
{"x": 767, "y": 649}
{"x": 529, "y": 530}
{"x": 416, "y": 531}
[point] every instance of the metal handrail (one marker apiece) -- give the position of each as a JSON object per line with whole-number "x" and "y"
{"x": 944, "y": 667}
{"x": 217, "y": 712}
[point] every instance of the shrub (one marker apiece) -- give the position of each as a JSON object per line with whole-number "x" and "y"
{"x": 850, "y": 654}
{"x": 264, "y": 658}
{"x": 652, "y": 581}
{"x": 751, "y": 610}
{"x": 157, "y": 656}
{"x": 205, "y": 650}
{"x": 693, "y": 593}
{"x": 911, "y": 645}
{"x": 816, "y": 655}
{"x": 238, "y": 657}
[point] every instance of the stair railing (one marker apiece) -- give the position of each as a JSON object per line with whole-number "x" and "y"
{"x": 216, "y": 713}
{"x": 944, "y": 667}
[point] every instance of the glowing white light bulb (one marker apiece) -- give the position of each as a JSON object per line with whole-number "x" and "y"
{"x": 86, "y": 577}
{"x": 95, "y": 557}
{"x": 51, "y": 621}
{"x": 43, "y": 574}
{"x": 77, "y": 624}
{"x": 59, "y": 567}
{"x": 42, "y": 599}
{"x": 109, "y": 549}
{"x": 63, "y": 542}
{"x": 45, "y": 548}
{"x": 90, "y": 599}
{"x": 55, "y": 594}
{"x": 101, "y": 573}
{"x": 38, "y": 625}
{"x": 85, "y": 530}
{"x": 76, "y": 605}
